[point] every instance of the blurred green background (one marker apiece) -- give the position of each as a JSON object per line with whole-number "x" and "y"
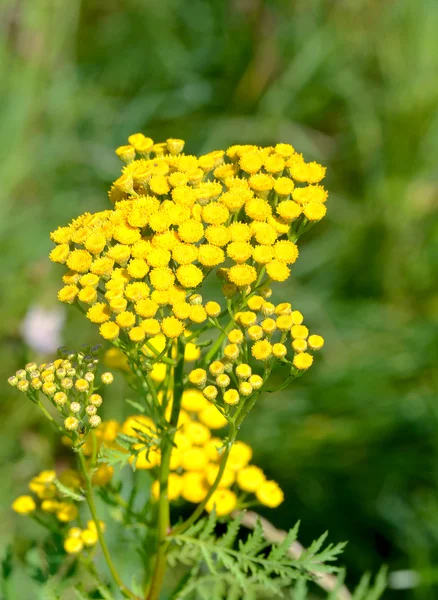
{"x": 351, "y": 83}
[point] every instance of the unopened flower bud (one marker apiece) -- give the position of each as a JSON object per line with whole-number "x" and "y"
{"x": 23, "y": 385}
{"x": 13, "y": 380}
{"x": 96, "y": 400}
{"x": 75, "y": 407}
{"x": 107, "y": 378}
{"x": 245, "y": 388}
{"x": 82, "y": 385}
{"x": 67, "y": 383}
{"x": 60, "y": 398}
{"x": 95, "y": 421}
{"x": 71, "y": 423}
{"x": 210, "y": 392}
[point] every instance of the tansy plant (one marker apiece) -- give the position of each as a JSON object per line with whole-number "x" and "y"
{"x": 198, "y": 366}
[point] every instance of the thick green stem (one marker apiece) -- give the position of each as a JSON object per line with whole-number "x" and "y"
{"x": 92, "y": 506}
{"x": 163, "y": 502}
{"x": 199, "y": 509}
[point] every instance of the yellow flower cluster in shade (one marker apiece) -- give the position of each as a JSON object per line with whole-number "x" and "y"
{"x": 134, "y": 268}
{"x": 78, "y": 539}
{"x": 195, "y": 459}
{"x": 70, "y": 384}
{"x": 265, "y": 332}
{"x": 47, "y": 497}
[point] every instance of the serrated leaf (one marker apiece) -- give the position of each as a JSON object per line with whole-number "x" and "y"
{"x": 255, "y": 541}
{"x": 229, "y": 537}
{"x": 280, "y": 550}
{"x": 363, "y": 587}
{"x": 66, "y": 491}
{"x": 316, "y": 545}
{"x": 209, "y": 526}
{"x": 114, "y": 457}
{"x": 379, "y": 585}
{"x": 208, "y": 560}
{"x": 300, "y": 590}
{"x": 339, "y": 583}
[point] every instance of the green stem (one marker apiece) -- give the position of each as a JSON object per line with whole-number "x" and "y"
{"x": 157, "y": 354}
{"x": 199, "y": 509}
{"x": 218, "y": 343}
{"x": 92, "y": 506}
{"x": 163, "y": 502}
{"x": 50, "y": 418}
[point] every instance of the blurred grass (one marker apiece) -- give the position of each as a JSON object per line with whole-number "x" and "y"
{"x": 351, "y": 83}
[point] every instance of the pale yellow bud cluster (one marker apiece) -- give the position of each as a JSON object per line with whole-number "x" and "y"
{"x": 70, "y": 384}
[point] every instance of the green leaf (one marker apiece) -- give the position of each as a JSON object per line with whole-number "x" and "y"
{"x": 209, "y": 527}
{"x": 280, "y": 550}
{"x": 229, "y": 537}
{"x": 66, "y": 491}
{"x": 136, "y": 405}
{"x": 249, "y": 566}
{"x": 339, "y": 583}
{"x": 105, "y": 593}
{"x": 114, "y": 457}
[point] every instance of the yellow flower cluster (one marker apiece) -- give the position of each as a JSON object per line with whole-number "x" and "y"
{"x": 70, "y": 385}
{"x": 77, "y": 539}
{"x": 134, "y": 268}
{"x": 194, "y": 462}
{"x": 264, "y": 333}
{"x": 48, "y": 498}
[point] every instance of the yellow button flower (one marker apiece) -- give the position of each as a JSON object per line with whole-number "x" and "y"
{"x": 24, "y": 505}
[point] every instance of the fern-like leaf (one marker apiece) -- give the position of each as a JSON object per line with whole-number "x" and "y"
{"x": 250, "y": 566}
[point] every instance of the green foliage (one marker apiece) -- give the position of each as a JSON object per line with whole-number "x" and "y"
{"x": 252, "y": 566}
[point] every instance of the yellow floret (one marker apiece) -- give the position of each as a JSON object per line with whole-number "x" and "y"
{"x": 316, "y": 342}
{"x": 283, "y": 186}
{"x": 303, "y": 361}
{"x": 263, "y": 254}
{"x": 286, "y": 251}
{"x": 151, "y": 327}
{"x": 162, "y": 278}
{"x": 258, "y": 209}
{"x": 210, "y": 256}
{"x": 239, "y": 232}
{"x": 242, "y": 275}
{"x": 261, "y": 350}
{"x": 269, "y": 494}
{"x": 60, "y": 253}
{"x": 79, "y": 260}
{"x": 172, "y": 327}
{"x": 68, "y": 294}
{"x": 24, "y": 505}
{"x": 189, "y": 276}
{"x": 191, "y": 231}
{"x": 223, "y": 502}
{"x": 277, "y": 270}
{"x": 250, "y": 478}
{"x": 251, "y": 162}
{"x": 315, "y": 211}
{"x": 289, "y": 210}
